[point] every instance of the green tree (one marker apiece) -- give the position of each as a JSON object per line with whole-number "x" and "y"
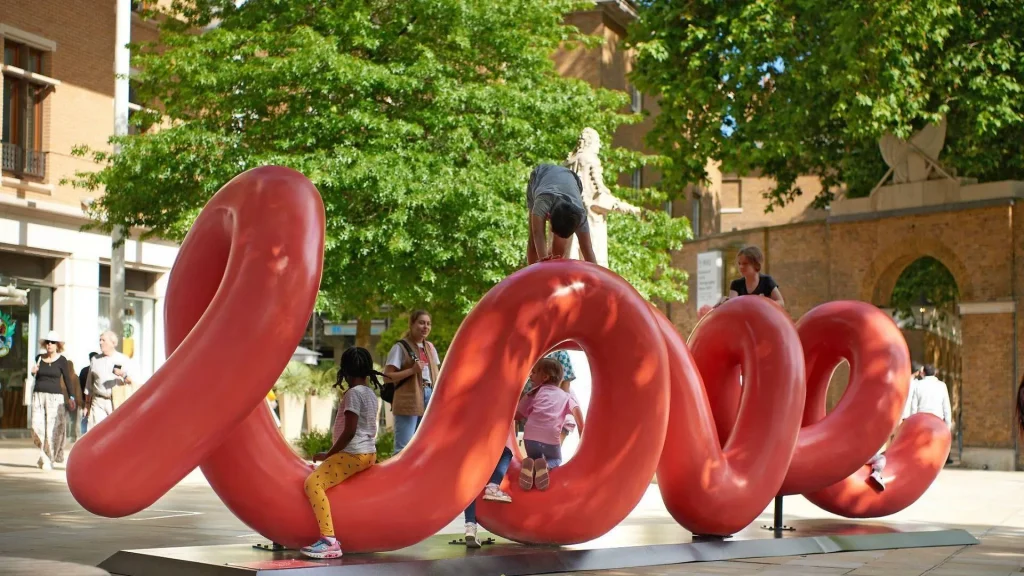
{"x": 796, "y": 87}
{"x": 926, "y": 282}
{"x": 418, "y": 120}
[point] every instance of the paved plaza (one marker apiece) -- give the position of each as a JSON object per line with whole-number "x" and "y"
{"x": 41, "y": 520}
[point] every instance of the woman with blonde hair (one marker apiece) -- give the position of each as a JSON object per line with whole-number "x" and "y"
{"x": 412, "y": 364}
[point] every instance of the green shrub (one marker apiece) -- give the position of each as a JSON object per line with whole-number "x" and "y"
{"x": 313, "y": 442}
{"x": 385, "y": 445}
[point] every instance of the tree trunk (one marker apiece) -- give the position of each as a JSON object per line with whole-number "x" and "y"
{"x": 363, "y": 333}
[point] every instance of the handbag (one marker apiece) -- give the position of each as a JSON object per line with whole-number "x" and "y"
{"x": 387, "y": 392}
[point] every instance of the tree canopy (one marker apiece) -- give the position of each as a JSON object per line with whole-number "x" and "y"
{"x": 418, "y": 120}
{"x": 794, "y": 87}
{"x": 926, "y": 282}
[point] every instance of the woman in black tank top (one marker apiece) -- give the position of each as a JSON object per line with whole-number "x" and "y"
{"x": 752, "y": 283}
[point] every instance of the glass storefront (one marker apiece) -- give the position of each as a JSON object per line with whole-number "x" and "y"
{"x": 20, "y": 329}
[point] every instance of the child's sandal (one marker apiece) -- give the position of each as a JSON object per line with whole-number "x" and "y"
{"x": 526, "y": 474}
{"x": 541, "y": 478}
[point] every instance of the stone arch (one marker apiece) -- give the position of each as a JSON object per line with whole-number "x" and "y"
{"x": 880, "y": 280}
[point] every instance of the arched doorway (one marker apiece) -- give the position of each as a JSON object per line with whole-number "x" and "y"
{"x": 924, "y": 303}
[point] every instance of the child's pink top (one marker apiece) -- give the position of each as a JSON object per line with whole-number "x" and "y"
{"x": 545, "y": 409}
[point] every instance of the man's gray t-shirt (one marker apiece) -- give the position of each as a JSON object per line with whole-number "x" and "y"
{"x": 548, "y": 183}
{"x": 363, "y": 402}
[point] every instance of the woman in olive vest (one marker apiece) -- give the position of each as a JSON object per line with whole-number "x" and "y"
{"x": 412, "y": 364}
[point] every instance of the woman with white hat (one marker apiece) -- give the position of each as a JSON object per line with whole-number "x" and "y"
{"x": 55, "y": 394}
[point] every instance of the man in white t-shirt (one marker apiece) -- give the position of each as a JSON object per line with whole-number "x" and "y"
{"x": 930, "y": 395}
{"x": 107, "y": 371}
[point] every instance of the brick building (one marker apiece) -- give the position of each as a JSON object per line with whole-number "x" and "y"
{"x": 58, "y": 93}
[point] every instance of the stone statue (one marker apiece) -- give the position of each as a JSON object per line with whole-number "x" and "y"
{"x": 596, "y": 196}
{"x": 916, "y": 159}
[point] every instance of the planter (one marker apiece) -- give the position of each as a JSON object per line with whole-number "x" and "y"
{"x": 389, "y": 416}
{"x": 291, "y": 407}
{"x": 318, "y": 412}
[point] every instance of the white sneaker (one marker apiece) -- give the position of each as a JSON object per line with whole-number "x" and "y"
{"x": 495, "y": 494}
{"x": 877, "y": 477}
{"x": 471, "y": 541}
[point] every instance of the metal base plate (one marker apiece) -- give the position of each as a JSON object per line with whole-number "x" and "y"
{"x": 629, "y": 545}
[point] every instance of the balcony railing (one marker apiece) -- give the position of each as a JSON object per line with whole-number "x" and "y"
{"x": 21, "y": 161}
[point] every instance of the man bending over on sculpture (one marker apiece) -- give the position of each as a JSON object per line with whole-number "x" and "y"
{"x": 555, "y": 193}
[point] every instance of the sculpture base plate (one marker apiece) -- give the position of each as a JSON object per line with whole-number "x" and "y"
{"x": 629, "y": 545}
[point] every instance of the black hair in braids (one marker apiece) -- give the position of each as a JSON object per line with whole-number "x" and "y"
{"x": 356, "y": 362}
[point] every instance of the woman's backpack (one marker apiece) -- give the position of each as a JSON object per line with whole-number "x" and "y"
{"x": 387, "y": 391}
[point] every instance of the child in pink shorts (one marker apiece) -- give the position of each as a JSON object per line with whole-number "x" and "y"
{"x": 544, "y": 408}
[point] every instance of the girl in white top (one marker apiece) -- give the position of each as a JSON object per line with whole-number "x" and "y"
{"x": 354, "y": 451}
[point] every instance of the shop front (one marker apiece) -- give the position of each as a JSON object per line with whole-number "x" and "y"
{"x": 26, "y": 312}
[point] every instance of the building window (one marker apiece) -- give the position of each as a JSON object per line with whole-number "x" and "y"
{"x": 637, "y": 100}
{"x": 732, "y": 194}
{"x": 637, "y": 179}
{"x": 24, "y": 91}
{"x": 695, "y": 218}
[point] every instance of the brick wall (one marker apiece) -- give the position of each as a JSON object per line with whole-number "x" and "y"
{"x": 1017, "y": 249}
{"x": 988, "y": 380}
{"x": 730, "y": 202}
{"x": 608, "y": 66}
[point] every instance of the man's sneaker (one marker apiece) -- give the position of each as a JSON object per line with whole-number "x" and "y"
{"x": 495, "y": 494}
{"x": 877, "y": 477}
{"x": 323, "y": 548}
{"x": 471, "y": 541}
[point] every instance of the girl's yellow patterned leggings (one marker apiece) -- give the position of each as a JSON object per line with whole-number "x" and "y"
{"x": 332, "y": 472}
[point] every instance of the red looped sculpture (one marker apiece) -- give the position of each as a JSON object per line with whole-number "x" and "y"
{"x": 240, "y": 296}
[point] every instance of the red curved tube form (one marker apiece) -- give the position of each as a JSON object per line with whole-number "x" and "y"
{"x": 832, "y": 447}
{"x": 628, "y": 414}
{"x": 913, "y": 461}
{"x": 244, "y": 285}
{"x": 715, "y": 487}
{"x": 461, "y": 437}
{"x": 254, "y": 258}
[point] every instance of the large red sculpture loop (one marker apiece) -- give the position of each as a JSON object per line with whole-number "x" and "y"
{"x": 240, "y": 296}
